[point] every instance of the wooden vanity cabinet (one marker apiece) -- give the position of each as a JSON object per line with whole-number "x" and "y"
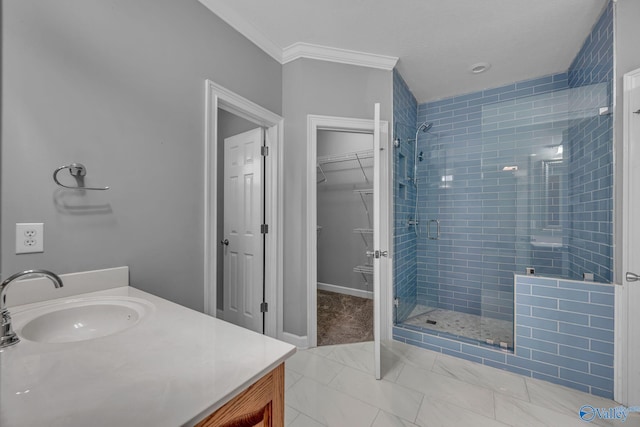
{"x": 262, "y": 404}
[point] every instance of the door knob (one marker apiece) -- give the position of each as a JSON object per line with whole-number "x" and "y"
{"x": 225, "y": 242}
{"x": 632, "y": 277}
{"x": 377, "y": 254}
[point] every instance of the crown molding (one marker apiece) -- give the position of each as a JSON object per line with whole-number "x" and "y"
{"x": 333, "y": 54}
{"x": 296, "y": 50}
{"x": 241, "y": 25}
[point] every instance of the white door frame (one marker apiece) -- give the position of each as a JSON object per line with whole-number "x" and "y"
{"x": 217, "y": 97}
{"x": 314, "y": 124}
{"x": 622, "y": 304}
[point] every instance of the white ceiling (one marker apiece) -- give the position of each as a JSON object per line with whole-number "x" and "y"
{"x": 436, "y": 41}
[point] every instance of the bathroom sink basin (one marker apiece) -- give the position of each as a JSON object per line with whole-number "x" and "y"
{"x": 80, "y": 319}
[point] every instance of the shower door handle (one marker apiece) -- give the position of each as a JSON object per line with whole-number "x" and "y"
{"x": 632, "y": 277}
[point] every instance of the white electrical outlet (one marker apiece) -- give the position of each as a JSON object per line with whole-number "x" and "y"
{"x": 29, "y": 238}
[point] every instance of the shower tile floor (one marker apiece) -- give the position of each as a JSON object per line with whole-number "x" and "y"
{"x": 467, "y": 325}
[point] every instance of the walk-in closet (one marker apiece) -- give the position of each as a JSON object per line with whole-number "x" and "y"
{"x": 345, "y": 234}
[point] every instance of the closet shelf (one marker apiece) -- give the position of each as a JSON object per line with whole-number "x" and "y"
{"x": 365, "y": 269}
{"x": 356, "y": 156}
{"x": 353, "y": 156}
{"x": 363, "y": 230}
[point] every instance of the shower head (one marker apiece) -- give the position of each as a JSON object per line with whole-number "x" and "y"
{"x": 425, "y": 126}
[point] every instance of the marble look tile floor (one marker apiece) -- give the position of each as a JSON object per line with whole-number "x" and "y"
{"x": 333, "y": 386}
{"x": 467, "y": 325}
{"x": 344, "y": 319}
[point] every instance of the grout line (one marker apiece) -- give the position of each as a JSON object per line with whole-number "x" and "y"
{"x": 526, "y": 387}
{"x": 376, "y": 417}
{"x": 493, "y": 396}
{"x": 373, "y": 404}
{"x": 296, "y": 381}
{"x": 289, "y": 422}
{"x": 424, "y": 396}
{"x": 303, "y": 412}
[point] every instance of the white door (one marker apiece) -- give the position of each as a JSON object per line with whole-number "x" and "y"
{"x": 630, "y": 292}
{"x": 242, "y": 241}
{"x": 380, "y": 254}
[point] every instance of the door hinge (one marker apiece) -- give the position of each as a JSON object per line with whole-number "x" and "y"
{"x": 264, "y": 307}
{"x": 264, "y": 228}
{"x": 264, "y": 150}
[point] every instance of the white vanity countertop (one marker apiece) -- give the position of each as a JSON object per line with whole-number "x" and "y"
{"x": 173, "y": 368}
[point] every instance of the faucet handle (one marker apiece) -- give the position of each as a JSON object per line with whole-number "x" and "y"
{"x": 7, "y": 336}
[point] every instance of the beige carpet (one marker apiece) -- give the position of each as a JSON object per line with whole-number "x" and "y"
{"x": 344, "y": 319}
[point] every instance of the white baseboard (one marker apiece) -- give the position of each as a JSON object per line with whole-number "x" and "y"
{"x": 302, "y": 342}
{"x": 344, "y": 290}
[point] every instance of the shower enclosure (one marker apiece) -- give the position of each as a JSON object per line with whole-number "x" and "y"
{"x": 513, "y": 180}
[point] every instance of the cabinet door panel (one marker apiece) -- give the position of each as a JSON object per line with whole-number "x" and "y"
{"x": 260, "y": 405}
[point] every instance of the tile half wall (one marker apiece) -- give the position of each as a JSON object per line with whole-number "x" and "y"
{"x": 564, "y": 332}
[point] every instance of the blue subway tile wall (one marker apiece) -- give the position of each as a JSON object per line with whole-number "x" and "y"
{"x": 518, "y": 176}
{"x": 481, "y": 179}
{"x": 404, "y": 193}
{"x": 564, "y": 334}
{"x": 590, "y": 146}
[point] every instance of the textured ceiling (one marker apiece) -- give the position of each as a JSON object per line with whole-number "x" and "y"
{"x": 436, "y": 41}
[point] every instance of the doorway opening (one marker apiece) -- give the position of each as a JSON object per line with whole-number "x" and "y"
{"x": 344, "y": 237}
{"x": 243, "y": 221}
{"x": 381, "y": 214}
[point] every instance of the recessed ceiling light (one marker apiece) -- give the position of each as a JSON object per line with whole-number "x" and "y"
{"x": 480, "y": 67}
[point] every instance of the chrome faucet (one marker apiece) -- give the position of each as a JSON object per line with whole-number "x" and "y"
{"x": 7, "y": 336}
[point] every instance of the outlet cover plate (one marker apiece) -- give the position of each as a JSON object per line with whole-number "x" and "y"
{"x": 29, "y": 237}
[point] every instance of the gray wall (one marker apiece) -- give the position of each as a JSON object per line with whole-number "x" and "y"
{"x": 340, "y": 211}
{"x": 325, "y": 88}
{"x": 627, "y": 51}
{"x": 228, "y": 125}
{"x": 119, "y": 86}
